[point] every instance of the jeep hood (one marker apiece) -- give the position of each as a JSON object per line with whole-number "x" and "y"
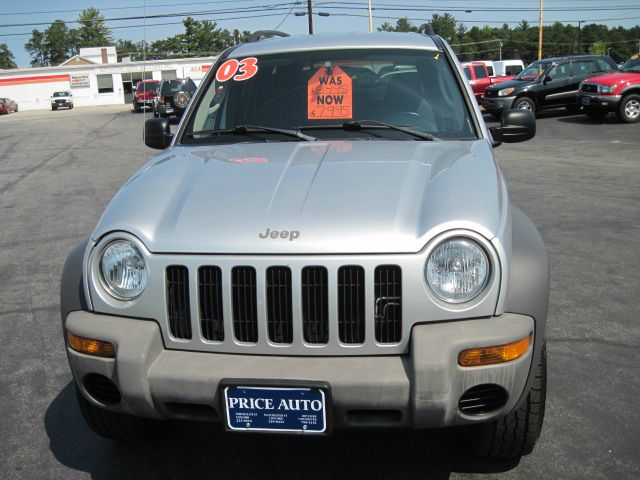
{"x": 517, "y": 84}
{"x": 342, "y": 197}
{"x": 613, "y": 78}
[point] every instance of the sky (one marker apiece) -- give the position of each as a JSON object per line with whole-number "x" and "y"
{"x": 17, "y": 18}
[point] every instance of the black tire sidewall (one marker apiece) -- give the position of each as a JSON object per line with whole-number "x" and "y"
{"x": 621, "y": 108}
{"x": 523, "y": 100}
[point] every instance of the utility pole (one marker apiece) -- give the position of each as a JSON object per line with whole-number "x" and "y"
{"x": 540, "y": 35}
{"x": 500, "y": 50}
{"x": 580, "y": 36}
{"x": 370, "y": 18}
{"x": 310, "y": 15}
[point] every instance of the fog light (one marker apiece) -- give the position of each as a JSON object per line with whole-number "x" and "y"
{"x": 474, "y": 357}
{"x": 89, "y": 346}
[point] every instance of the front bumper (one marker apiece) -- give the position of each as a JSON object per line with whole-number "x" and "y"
{"x": 497, "y": 104}
{"x": 605, "y": 102}
{"x": 422, "y": 388}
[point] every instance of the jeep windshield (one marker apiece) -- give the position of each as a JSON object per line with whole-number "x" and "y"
{"x": 332, "y": 95}
{"x": 61, "y": 94}
{"x": 534, "y": 70}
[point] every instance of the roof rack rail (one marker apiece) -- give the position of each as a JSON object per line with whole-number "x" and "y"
{"x": 263, "y": 34}
{"x": 426, "y": 29}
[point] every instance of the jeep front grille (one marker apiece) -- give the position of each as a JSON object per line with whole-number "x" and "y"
{"x": 210, "y": 298}
{"x": 245, "y": 309}
{"x": 281, "y": 306}
{"x": 351, "y": 304}
{"x": 388, "y": 303}
{"x": 178, "y": 310}
{"x": 315, "y": 305}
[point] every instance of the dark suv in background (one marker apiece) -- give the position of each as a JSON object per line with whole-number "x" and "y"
{"x": 549, "y": 83}
{"x": 172, "y": 97}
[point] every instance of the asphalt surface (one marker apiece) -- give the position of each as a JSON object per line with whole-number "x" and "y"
{"x": 577, "y": 180}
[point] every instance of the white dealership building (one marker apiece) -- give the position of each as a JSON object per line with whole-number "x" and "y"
{"x": 94, "y": 77}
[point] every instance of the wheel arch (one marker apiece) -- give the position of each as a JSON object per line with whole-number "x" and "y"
{"x": 72, "y": 292}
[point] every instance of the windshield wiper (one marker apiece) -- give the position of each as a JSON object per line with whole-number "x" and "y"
{"x": 362, "y": 124}
{"x": 248, "y": 129}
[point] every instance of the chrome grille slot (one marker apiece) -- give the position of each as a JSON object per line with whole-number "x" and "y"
{"x": 315, "y": 305}
{"x": 178, "y": 310}
{"x": 351, "y": 305}
{"x": 388, "y": 303}
{"x": 210, "y": 303}
{"x": 245, "y": 310}
{"x": 279, "y": 310}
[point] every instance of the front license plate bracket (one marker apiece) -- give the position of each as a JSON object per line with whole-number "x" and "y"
{"x": 276, "y": 406}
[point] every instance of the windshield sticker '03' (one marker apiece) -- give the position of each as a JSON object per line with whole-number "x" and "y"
{"x": 239, "y": 70}
{"x": 330, "y": 94}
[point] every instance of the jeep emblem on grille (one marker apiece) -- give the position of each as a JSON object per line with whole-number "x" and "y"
{"x": 284, "y": 234}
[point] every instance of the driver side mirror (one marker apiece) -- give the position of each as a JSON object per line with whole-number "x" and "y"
{"x": 157, "y": 133}
{"x": 515, "y": 126}
{"x": 547, "y": 79}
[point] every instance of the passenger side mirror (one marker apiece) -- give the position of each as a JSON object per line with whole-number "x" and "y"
{"x": 547, "y": 79}
{"x": 515, "y": 126}
{"x": 157, "y": 133}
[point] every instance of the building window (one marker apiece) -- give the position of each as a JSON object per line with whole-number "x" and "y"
{"x": 105, "y": 83}
{"x": 168, "y": 74}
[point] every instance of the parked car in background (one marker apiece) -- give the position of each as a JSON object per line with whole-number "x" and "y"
{"x": 508, "y": 67}
{"x": 490, "y": 66}
{"x": 7, "y": 106}
{"x": 613, "y": 92}
{"x": 172, "y": 97}
{"x": 62, "y": 99}
{"x": 479, "y": 78}
{"x": 144, "y": 94}
{"x": 549, "y": 83}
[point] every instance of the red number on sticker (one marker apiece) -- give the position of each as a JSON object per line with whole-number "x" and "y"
{"x": 227, "y": 70}
{"x": 247, "y": 69}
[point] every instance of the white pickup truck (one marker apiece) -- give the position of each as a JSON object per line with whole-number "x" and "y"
{"x": 61, "y": 99}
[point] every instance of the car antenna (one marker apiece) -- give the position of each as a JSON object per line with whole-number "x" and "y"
{"x": 426, "y": 29}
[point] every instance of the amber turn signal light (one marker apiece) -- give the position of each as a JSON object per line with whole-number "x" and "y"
{"x": 89, "y": 346}
{"x": 474, "y": 357}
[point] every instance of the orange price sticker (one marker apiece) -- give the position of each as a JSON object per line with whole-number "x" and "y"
{"x": 329, "y": 95}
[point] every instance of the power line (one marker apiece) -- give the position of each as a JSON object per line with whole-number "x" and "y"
{"x": 166, "y": 15}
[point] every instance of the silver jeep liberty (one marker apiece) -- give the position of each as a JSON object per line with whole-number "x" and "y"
{"x": 326, "y": 242}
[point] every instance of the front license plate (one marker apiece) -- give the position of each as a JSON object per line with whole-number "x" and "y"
{"x": 276, "y": 409}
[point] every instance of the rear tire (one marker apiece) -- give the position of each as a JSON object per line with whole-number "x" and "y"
{"x": 629, "y": 108}
{"x": 525, "y": 103}
{"x": 53, "y": 109}
{"x": 115, "y": 426}
{"x": 515, "y": 434}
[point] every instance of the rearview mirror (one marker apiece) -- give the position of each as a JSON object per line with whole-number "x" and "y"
{"x": 515, "y": 126}
{"x": 157, "y": 133}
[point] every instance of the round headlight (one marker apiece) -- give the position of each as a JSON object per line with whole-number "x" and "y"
{"x": 457, "y": 270}
{"x": 123, "y": 270}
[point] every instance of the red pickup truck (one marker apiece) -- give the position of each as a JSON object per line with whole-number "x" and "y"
{"x": 479, "y": 78}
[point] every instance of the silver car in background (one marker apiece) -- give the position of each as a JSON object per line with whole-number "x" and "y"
{"x": 326, "y": 242}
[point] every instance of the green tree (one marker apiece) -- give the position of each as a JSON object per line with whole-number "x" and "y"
{"x": 402, "y": 25}
{"x": 37, "y": 49}
{"x": 92, "y": 31}
{"x": 6, "y": 57}
{"x": 598, "y": 48}
{"x": 53, "y": 46}
{"x": 200, "y": 38}
{"x": 137, "y": 51}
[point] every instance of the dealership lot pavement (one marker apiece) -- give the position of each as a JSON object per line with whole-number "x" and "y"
{"x": 577, "y": 180}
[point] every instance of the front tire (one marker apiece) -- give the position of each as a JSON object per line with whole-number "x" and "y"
{"x": 115, "y": 426}
{"x": 629, "y": 108}
{"x": 525, "y": 103}
{"x": 515, "y": 434}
